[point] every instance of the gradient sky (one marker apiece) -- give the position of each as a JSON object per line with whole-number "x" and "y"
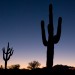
{"x": 20, "y": 26}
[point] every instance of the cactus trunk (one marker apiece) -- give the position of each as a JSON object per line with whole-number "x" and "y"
{"x": 5, "y": 64}
{"x": 50, "y": 55}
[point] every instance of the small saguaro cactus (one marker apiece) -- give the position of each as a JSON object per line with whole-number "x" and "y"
{"x": 52, "y": 39}
{"x": 7, "y": 54}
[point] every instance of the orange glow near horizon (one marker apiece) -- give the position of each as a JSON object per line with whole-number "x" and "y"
{"x": 24, "y": 65}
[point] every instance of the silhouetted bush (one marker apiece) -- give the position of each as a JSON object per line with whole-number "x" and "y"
{"x": 17, "y": 66}
{"x": 33, "y": 65}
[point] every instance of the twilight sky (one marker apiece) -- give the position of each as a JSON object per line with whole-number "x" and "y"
{"x": 20, "y": 26}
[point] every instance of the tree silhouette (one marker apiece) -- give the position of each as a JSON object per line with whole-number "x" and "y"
{"x": 7, "y": 54}
{"x": 33, "y": 65}
{"x": 52, "y": 39}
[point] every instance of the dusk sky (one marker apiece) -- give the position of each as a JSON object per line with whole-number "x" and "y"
{"x": 20, "y": 25}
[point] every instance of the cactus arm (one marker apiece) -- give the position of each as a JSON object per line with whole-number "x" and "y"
{"x": 8, "y": 46}
{"x": 3, "y": 49}
{"x": 9, "y": 50}
{"x": 57, "y": 36}
{"x": 10, "y": 54}
{"x": 43, "y": 34}
{"x": 8, "y": 58}
{"x": 3, "y": 56}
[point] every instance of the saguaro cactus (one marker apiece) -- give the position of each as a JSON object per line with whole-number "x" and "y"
{"x": 7, "y": 54}
{"x": 52, "y": 39}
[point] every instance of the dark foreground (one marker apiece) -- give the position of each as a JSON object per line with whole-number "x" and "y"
{"x": 43, "y": 71}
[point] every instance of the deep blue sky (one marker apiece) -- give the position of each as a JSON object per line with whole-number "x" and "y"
{"x": 20, "y": 26}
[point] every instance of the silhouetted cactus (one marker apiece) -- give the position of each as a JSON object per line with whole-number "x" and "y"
{"x": 7, "y": 54}
{"x": 51, "y": 38}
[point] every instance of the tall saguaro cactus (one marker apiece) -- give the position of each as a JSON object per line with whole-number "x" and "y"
{"x": 7, "y": 54}
{"x": 52, "y": 39}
